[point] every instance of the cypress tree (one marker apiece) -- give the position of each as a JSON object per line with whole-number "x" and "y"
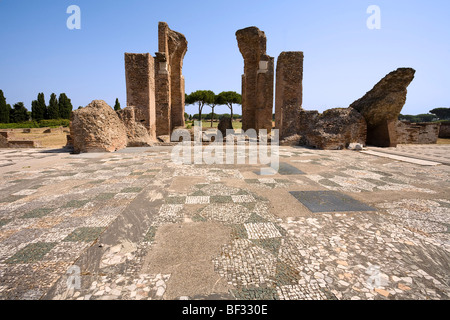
{"x": 38, "y": 108}
{"x": 53, "y": 107}
{"x": 4, "y": 111}
{"x": 65, "y": 106}
{"x": 117, "y": 105}
{"x": 20, "y": 113}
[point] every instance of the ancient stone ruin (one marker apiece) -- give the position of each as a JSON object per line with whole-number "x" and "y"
{"x": 137, "y": 134}
{"x": 97, "y": 128}
{"x": 156, "y": 93}
{"x": 416, "y": 133}
{"x": 335, "y": 129}
{"x": 382, "y": 105}
{"x": 257, "y": 80}
{"x": 170, "y": 87}
{"x": 155, "y": 101}
{"x": 289, "y": 91}
{"x": 8, "y": 140}
{"x": 444, "y": 131}
{"x": 155, "y": 86}
{"x": 371, "y": 120}
{"x": 140, "y": 79}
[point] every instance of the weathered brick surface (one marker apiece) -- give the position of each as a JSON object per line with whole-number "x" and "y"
{"x": 289, "y": 91}
{"x": 444, "y": 131}
{"x": 170, "y": 85}
{"x": 417, "y": 133}
{"x": 140, "y": 79}
{"x": 257, "y": 81}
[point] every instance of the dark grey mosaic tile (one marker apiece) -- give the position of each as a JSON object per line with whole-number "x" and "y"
{"x": 84, "y": 234}
{"x": 375, "y": 182}
{"x": 271, "y": 244}
{"x": 238, "y": 231}
{"x": 76, "y": 203}
{"x": 4, "y": 222}
{"x": 220, "y": 199}
{"x": 31, "y": 253}
{"x": 38, "y": 213}
{"x": 284, "y": 169}
{"x": 255, "y": 218}
{"x": 175, "y": 200}
{"x": 329, "y": 201}
{"x": 256, "y": 294}
{"x": 150, "y": 235}
{"x": 132, "y": 190}
{"x": 105, "y": 196}
{"x": 328, "y": 183}
{"x": 11, "y": 199}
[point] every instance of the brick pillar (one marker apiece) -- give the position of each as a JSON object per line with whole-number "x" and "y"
{"x": 289, "y": 91}
{"x": 257, "y": 81}
{"x": 140, "y": 82}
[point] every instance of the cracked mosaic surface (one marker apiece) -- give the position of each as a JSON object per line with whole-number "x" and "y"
{"x": 106, "y": 213}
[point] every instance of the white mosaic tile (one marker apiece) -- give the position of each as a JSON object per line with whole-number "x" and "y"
{"x": 243, "y": 198}
{"x": 262, "y": 230}
{"x": 197, "y": 200}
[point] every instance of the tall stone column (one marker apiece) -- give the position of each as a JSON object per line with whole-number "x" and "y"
{"x": 264, "y": 93}
{"x": 170, "y": 103}
{"x": 162, "y": 95}
{"x": 140, "y": 82}
{"x": 257, "y": 81}
{"x": 289, "y": 91}
{"x": 177, "y": 83}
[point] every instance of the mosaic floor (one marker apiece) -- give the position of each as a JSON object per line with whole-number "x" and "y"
{"x": 134, "y": 225}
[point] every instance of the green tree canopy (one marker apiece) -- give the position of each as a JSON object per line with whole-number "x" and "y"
{"x": 65, "y": 106}
{"x": 201, "y": 97}
{"x": 418, "y": 118}
{"x": 229, "y": 98}
{"x": 38, "y": 108}
{"x": 117, "y": 105}
{"x": 53, "y": 107}
{"x": 441, "y": 113}
{"x": 4, "y": 109}
{"x": 19, "y": 113}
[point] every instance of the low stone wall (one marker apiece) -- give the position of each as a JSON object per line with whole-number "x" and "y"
{"x": 23, "y": 144}
{"x": 417, "y": 133}
{"x": 444, "y": 131}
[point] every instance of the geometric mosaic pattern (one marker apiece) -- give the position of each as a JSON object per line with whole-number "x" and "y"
{"x": 51, "y": 217}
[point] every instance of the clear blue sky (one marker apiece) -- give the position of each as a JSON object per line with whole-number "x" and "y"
{"x": 343, "y": 58}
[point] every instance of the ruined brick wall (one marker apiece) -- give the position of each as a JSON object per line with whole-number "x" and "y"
{"x": 417, "y": 133}
{"x": 289, "y": 91}
{"x": 257, "y": 81}
{"x": 4, "y": 136}
{"x": 140, "y": 80}
{"x": 444, "y": 131}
